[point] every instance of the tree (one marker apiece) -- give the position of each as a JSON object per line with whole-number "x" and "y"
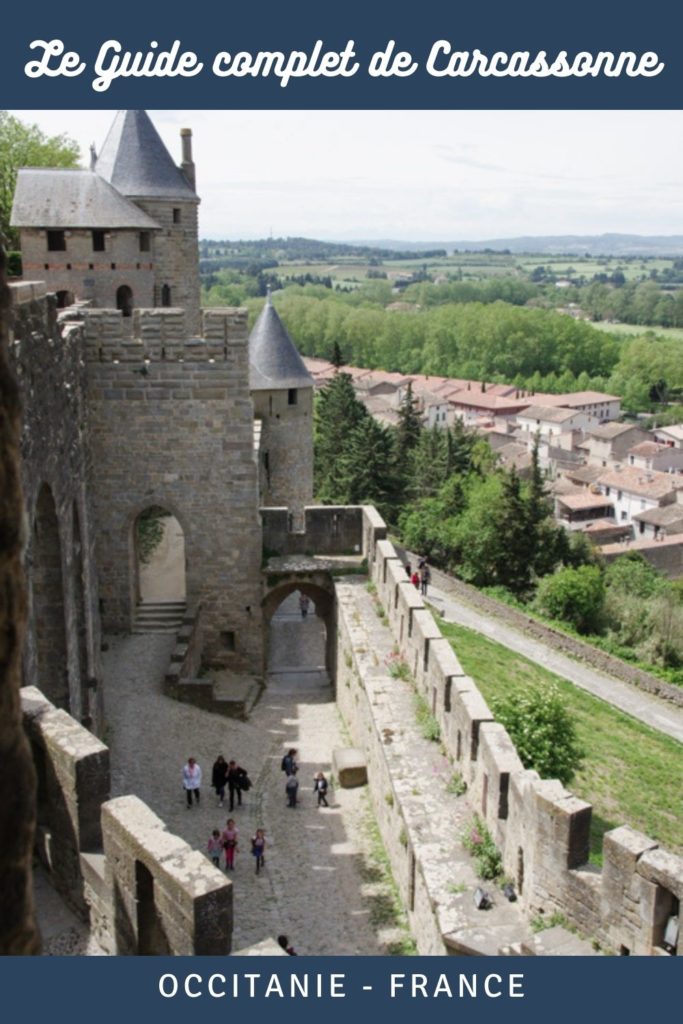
{"x": 337, "y": 413}
{"x": 576, "y": 596}
{"x": 409, "y": 427}
{"x": 542, "y": 730}
{"x": 367, "y": 467}
{"x": 23, "y": 145}
{"x": 337, "y": 359}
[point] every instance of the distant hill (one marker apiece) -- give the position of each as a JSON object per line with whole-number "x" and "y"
{"x": 571, "y": 245}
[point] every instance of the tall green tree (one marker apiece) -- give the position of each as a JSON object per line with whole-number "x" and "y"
{"x": 337, "y": 413}
{"x": 25, "y": 145}
{"x": 367, "y": 467}
{"x": 409, "y": 426}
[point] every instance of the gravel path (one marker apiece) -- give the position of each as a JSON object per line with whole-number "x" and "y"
{"x": 312, "y": 888}
{"x": 653, "y": 711}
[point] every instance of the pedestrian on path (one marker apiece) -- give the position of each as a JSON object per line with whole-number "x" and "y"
{"x": 415, "y": 580}
{"x": 425, "y": 579}
{"x": 304, "y": 605}
{"x": 258, "y": 848}
{"x": 192, "y": 780}
{"x": 283, "y": 941}
{"x": 229, "y": 841}
{"x": 291, "y": 789}
{"x": 289, "y": 764}
{"x": 219, "y": 778}
{"x": 409, "y": 570}
{"x": 214, "y": 847}
{"x": 320, "y": 787}
{"x": 236, "y": 777}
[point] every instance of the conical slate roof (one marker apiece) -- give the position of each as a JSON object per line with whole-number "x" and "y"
{"x": 135, "y": 161}
{"x": 273, "y": 360}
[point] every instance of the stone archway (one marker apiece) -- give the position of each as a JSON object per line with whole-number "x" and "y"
{"x": 47, "y": 587}
{"x": 319, "y": 588}
{"x": 160, "y": 560}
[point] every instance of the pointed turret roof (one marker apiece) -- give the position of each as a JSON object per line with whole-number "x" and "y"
{"x": 135, "y": 161}
{"x": 274, "y": 362}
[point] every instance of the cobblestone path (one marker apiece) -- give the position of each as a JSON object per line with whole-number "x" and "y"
{"x": 312, "y": 888}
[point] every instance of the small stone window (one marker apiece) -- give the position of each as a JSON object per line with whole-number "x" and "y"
{"x": 165, "y": 295}
{"x": 56, "y": 241}
{"x": 292, "y": 396}
{"x": 98, "y": 242}
{"x": 144, "y": 241}
{"x": 228, "y": 639}
{"x": 176, "y": 215}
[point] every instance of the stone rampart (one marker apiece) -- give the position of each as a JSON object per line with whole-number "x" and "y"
{"x": 144, "y": 889}
{"x": 541, "y": 829}
{"x": 62, "y": 652}
{"x": 327, "y": 530}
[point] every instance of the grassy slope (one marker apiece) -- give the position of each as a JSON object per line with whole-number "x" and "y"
{"x": 631, "y": 775}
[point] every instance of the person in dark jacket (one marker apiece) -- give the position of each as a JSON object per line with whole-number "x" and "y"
{"x": 320, "y": 787}
{"x": 236, "y": 776}
{"x": 219, "y": 778}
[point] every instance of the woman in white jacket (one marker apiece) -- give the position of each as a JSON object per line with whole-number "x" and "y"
{"x": 192, "y": 780}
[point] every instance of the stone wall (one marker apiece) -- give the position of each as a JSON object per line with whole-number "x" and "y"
{"x": 144, "y": 889}
{"x": 176, "y": 255}
{"x": 541, "y": 829}
{"x": 90, "y": 275}
{"x": 286, "y": 450}
{"x": 171, "y": 426}
{"x": 62, "y": 653}
{"x": 327, "y": 530}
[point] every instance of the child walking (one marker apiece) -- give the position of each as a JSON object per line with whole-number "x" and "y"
{"x": 229, "y": 839}
{"x": 258, "y": 846}
{"x": 214, "y": 847}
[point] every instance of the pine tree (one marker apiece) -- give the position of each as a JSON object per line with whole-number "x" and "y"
{"x": 409, "y": 426}
{"x": 367, "y": 468}
{"x": 337, "y": 413}
{"x": 337, "y": 359}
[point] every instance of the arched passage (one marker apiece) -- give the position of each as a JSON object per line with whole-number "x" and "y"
{"x": 64, "y": 299}
{"x": 300, "y": 644}
{"x": 48, "y": 602}
{"x": 124, "y": 300}
{"x": 159, "y": 552}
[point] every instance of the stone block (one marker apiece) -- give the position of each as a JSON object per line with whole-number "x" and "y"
{"x": 350, "y": 766}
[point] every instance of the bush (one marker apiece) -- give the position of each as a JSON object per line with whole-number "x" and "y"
{"x": 576, "y": 596}
{"x": 543, "y": 732}
{"x": 478, "y": 841}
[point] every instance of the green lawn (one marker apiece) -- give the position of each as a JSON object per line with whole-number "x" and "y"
{"x": 632, "y": 775}
{"x": 663, "y": 332}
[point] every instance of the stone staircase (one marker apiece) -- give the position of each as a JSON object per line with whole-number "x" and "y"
{"x": 159, "y": 616}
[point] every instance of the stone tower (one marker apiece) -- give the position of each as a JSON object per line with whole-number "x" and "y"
{"x": 136, "y": 163}
{"x": 282, "y": 391}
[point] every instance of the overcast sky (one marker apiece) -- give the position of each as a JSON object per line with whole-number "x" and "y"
{"x": 420, "y": 175}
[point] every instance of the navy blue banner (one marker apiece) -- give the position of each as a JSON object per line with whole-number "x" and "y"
{"x": 526, "y": 55}
{"x": 513, "y": 989}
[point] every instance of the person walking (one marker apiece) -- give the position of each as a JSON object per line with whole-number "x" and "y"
{"x": 258, "y": 848}
{"x": 214, "y": 847}
{"x": 320, "y": 787}
{"x": 219, "y": 778}
{"x": 283, "y": 941}
{"x": 409, "y": 571}
{"x": 425, "y": 579}
{"x": 291, "y": 789}
{"x": 229, "y": 841}
{"x": 235, "y": 778}
{"x": 415, "y": 580}
{"x": 304, "y": 605}
{"x": 192, "y": 780}
{"x": 289, "y": 764}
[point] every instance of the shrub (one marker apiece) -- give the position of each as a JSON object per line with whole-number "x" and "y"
{"x": 478, "y": 841}
{"x": 429, "y": 727}
{"x": 542, "y": 730}
{"x": 576, "y": 596}
{"x": 398, "y": 666}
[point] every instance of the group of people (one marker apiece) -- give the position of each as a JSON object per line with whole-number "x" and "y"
{"x": 420, "y": 577}
{"x": 290, "y": 767}
{"x": 224, "y": 775}
{"x": 226, "y": 844}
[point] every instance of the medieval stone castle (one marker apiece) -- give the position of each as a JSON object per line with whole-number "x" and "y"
{"x": 135, "y": 398}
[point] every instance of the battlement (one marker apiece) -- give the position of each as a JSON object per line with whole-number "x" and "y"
{"x": 158, "y": 335}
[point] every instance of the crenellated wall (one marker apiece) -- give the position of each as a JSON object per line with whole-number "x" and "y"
{"x": 144, "y": 890}
{"x": 541, "y": 829}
